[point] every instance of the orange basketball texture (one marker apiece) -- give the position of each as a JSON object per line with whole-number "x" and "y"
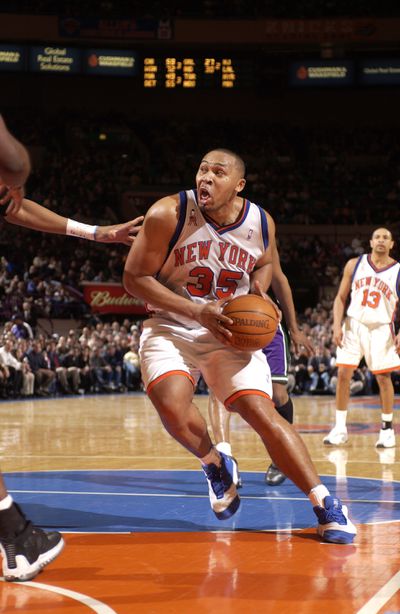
{"x": 254, "y": 322}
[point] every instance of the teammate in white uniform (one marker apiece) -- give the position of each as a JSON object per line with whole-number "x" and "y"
{"x": 194, "y": 251}
{"x": 367, "y": 331}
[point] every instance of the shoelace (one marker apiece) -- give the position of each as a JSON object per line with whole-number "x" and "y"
{"x": 214, "y": 475}
{"x": 333, "y": 514}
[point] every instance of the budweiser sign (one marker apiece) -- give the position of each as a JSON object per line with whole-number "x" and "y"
{"x": 111, "y": 298}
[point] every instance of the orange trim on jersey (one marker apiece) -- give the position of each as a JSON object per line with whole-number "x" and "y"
{"x": 164, "y": 375}
{"x": 241, "y": 393}
{"x": 387, "y": 370}
{"x": 339, "y": 364}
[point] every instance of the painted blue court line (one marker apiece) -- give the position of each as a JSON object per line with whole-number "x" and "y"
{"x": 141, "y": 501}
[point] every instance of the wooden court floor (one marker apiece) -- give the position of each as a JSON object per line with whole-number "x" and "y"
{"x": 162, "y": 551}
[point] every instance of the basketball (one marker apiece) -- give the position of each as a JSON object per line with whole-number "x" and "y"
{"x": 254, "y": 322}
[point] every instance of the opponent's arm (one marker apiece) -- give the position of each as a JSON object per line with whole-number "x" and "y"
{"x": 339, "y": 304}
{"x": 34, "y": 216}
{"x": 15, "y": 167}
{"x": 261, "y": 277}
{"x": 281, "y": 288}
{"x": 145, "y": 259}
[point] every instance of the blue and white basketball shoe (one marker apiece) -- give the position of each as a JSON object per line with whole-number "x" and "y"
{"x": 224, "y": 498}
{"x": 334, "y": 525}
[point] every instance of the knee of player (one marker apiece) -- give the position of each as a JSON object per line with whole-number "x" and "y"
{"x": 250, "y": 404}
{"x": 384, "y": 379}
{"x": 344, "y": 374}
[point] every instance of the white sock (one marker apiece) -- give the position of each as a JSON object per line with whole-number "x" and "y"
{"x": 225, "y": 447}
{"x": 6, "y": 503}
{"x": 318, "y": 494}
{"x": 341, "y": 417}
{"x": 211, "y": 457}
{"x": 387, "y": 417}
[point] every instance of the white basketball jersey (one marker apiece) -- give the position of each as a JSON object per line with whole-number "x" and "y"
{"x": 374, "y": 292}
{"x": 207, "y": 262}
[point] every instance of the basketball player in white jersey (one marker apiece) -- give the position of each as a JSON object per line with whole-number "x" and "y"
{"x": 196, "y": 249}
{"x": 27, "y": 549}
{"x": 367, "y": 331}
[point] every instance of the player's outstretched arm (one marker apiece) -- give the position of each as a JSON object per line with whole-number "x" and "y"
{"x": 15, "y": 167}
{"x": 260, "y": 278}
{"x": 34, "y": 216}
{"x": 283, "y": 292}
{"x": 262, "y": 272}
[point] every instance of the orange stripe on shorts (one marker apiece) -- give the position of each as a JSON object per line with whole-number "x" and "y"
{"x": 168, "y": 374}
{"x": 241, "y": 393}
{"x": 387, "y": 370}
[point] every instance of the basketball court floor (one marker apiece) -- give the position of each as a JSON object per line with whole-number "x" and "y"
{"x": 140, "y": 534}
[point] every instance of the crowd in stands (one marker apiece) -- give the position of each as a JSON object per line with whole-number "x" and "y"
{"x": 98, "y": 358}
{"x": 301, "y": 174}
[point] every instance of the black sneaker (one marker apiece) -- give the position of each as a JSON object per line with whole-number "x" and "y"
{"x": 25, "y": 554}
{"x": 274, "y": 476}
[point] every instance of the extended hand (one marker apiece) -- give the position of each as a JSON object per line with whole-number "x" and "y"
{"x": 119, "y": 233}
{"x": 299, "y": 339}
{"x": 11, "y": 197}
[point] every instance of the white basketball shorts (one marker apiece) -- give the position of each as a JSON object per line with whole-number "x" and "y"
{"x": 374, "y": 343}
{"x": 168, "y": 349}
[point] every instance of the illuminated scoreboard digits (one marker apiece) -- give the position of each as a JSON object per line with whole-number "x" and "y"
{"x": 223, "y": 67}
{"x": 180, "y": 73}
{"x": 190, "y": 73}
{"x": 150, "y": 70}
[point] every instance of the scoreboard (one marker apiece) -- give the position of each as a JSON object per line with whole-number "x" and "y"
{"x": 194, "y": 72}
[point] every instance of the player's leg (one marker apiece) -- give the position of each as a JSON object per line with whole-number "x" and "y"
{"x": 284, "y": 406}
{"x": 171, "y": 392}
{"x": 245, "y": 384}
{"x": 25, "y": 549}
{"x": 277, "y": 355}
{"x": 386, "y": 393}
{"x": 338, "y": 434}
{"x": 220, "y": 424}
{"x": 172, "y": 397}
{"x": 382, "y": 359}
{"x": 355, "y": 340}
{"x": 290, "y": 454}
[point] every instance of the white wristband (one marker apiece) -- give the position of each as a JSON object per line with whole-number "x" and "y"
{"x": 83, "y": 231}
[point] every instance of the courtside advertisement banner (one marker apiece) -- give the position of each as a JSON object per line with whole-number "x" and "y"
{"x": 111, "y": 298}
